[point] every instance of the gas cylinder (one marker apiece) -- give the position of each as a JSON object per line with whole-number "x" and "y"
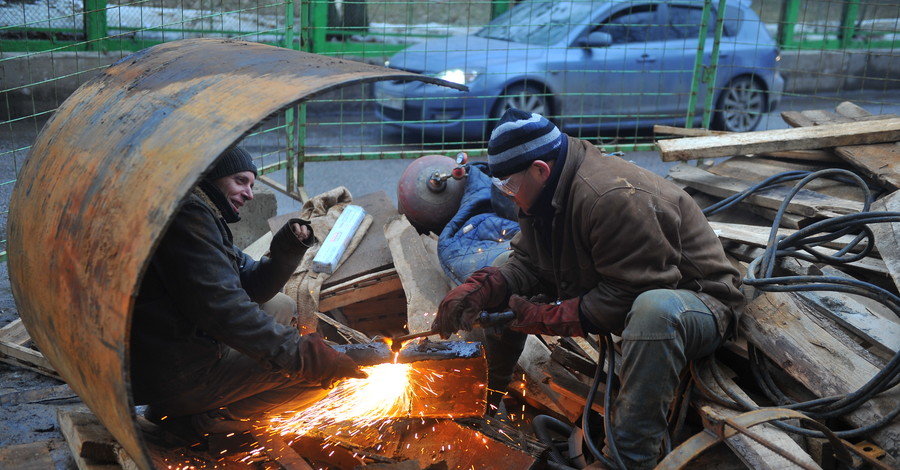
{"x": 430, "y": 191}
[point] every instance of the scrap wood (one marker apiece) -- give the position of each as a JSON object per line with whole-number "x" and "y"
{"x": 873, "y": 322}
{"x": 800, "y": 138}
{"x": 760, "y": 168}
{"x": 809, "y": 155}
{"x": 878, "y": 161}
{"x": 806, "y": 203}
{"x": 866, "y": 267}
{"x": 357, "y": 289}
{"x": 423, "y": 284}
{"x": 888, "y": 234}
{"x": 31, "y": 456}
{"x": 779, "y": 326}
{"x": 351, "y": 335}
{"x": 754, "y": 454}
{"x": 13, "y": 337}
{"x": 758, "y": 236}
{"x": 534, "y": 361}
{"x": 57, "y": 392}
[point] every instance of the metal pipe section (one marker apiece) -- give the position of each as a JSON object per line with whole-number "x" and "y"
{"x": 107, "y": 174}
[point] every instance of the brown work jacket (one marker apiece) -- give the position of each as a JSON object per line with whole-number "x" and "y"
{"x": 619, "y": 230}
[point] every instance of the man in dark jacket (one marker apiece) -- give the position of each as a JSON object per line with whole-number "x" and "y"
{"x": 617, "y": 249}
{"x": 212, "y": 345}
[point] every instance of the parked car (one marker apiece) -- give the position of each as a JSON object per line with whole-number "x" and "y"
{"x": 590, "y": 65}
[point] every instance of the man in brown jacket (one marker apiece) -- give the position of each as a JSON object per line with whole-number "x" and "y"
{"x": 616, "y": 249}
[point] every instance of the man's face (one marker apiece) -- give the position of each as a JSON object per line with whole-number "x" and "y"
{"x": 525, "y": 186}
{"x": 237, "y": 188}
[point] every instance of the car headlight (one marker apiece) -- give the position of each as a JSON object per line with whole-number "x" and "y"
{"x": 460, "y": 76}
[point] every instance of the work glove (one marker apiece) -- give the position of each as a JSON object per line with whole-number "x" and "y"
{"x": 485, "y": 289}
{"x": 323, "y": 364}
{"x": 560, "y": 319}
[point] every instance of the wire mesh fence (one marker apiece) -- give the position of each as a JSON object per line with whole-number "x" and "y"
{"x": 603, "y": 70}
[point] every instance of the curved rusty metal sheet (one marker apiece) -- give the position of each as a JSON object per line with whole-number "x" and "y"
{"x": 108, "y": 172}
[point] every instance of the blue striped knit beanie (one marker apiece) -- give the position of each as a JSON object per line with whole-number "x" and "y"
{"x": 519, "y": 139}
{"x": 234, "y": 160}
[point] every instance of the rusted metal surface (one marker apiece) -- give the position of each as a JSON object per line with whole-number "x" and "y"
{"x": 107, "y": 174}
{"x": 454, "y": 374}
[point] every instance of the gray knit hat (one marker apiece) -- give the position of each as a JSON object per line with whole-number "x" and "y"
{"x": 234, "y": 160}
{"x": 519, "y": 139}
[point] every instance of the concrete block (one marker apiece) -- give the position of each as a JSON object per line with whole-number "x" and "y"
{"x": 254, "y": 217}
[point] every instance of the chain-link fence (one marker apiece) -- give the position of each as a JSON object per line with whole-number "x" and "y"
{"x": 607, "y": 71}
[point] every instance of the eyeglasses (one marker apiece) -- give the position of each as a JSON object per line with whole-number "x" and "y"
{"x": 507, "y": 186}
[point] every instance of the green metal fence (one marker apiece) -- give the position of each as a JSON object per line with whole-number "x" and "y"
{"x": 829, "y": 48}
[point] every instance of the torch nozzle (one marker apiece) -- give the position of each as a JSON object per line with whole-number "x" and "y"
{"x": 484, "y": 320}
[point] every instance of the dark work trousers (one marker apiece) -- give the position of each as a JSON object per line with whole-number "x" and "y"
{"x": 664, "y": 330}
{"x": 243, "y": 386}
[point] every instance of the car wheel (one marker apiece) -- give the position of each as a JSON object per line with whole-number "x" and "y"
{"x": 525, "y": 97}
{"x": 740, "y": 106}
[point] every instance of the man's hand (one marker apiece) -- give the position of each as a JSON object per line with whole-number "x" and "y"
{"x": 485, "y": 289}
{"x": 546, "y": 319}
{"x": 323, "y": 364}
{"x": 302, "y": 232}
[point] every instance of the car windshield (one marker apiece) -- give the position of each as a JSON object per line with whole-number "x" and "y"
{"x": 539, "y": 22}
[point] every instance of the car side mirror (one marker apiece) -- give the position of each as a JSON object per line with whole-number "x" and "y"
{"x": 596, "y": 39}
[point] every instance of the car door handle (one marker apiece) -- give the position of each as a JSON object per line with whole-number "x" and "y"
{"x": 646, "y": 59}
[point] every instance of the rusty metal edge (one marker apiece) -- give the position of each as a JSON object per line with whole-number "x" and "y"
{"x": 108, "y": 172}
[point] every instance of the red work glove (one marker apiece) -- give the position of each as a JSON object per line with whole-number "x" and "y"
{"x": 485, "y": 289}
{"x": 323, "y": 364}
{"x": 546, "y": 319}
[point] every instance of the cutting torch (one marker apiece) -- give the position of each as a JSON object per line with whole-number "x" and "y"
{"x": 484, "y": 320}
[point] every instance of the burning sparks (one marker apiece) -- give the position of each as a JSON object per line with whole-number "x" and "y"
{"x": 361, "y": 403}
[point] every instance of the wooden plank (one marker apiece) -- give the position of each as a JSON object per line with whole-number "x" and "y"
{"x": 760, "y": 168}
{"x": 348, "y": 333}
{"x": 31, "y": 456}
{"x": 758, "y": 237}
{"x": 14, "y": 332}
{"x": 57, "y": 392}
{"x": 685, "y": 132}
{"x": 887, "y": 234}
{"x": 533, "y": 361}
{"x": 801, "y": 138}
{"x": 778, "y": 325}
{"x": 424, "y": 285}
{"x": 806, "y": 203}
{"x": 21, "y": 356}
{"x": 87, "y": 438}
{"x": 362, "y": 288}
{"x": 812, "y": 155}
{"x": 880, "y": 162}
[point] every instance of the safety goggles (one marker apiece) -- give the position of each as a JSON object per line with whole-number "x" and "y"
{"x": 507, "y": 186}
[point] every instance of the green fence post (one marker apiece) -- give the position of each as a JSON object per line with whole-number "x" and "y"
{"x": 498, "y": 7}
{"x": 848, "y": 22}
{"x": 698, "y": 65}
{"x": 789, "y": 14}
{"x": 713, "y": 69}
{"x": 95, "y": 30}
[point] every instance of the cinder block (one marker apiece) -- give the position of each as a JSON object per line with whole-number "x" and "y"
{"x": 254, "y": 217}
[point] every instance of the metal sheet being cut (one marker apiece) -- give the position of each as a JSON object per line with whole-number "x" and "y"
{"x": 107, "y": 174}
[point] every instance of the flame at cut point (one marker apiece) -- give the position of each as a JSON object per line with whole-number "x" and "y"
{"x": 387, "y": 393}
